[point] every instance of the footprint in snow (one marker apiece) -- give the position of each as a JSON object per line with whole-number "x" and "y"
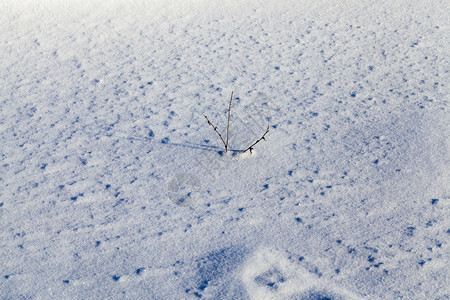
{"x": 182, "y": 189}
{"x": 269, "y": 274}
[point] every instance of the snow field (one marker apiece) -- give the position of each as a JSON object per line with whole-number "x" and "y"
{"x": 113, "y": 185}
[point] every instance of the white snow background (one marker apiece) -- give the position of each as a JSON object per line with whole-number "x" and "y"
{"x": 114, "y": 186}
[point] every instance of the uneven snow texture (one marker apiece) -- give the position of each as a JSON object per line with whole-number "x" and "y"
{"x": 113, "y": 185}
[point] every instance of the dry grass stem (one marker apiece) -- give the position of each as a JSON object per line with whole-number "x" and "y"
{"x": 228, "y": 125}
{"x": 261, "y": 138}
{"x": 215, "y": 129}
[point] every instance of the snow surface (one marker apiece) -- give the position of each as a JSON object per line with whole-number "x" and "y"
{"x": 113, "y": 185}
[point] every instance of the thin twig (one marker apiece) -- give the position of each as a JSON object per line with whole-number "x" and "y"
{"x": 215, "y": 129}
{"x": 228, "y": 125}
{"x": 261, "y": 138}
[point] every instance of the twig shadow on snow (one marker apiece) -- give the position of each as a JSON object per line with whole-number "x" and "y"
{"x": 190, "y": 145}
{"x": 195, "y": 146}
{"x": 204, "y": 147}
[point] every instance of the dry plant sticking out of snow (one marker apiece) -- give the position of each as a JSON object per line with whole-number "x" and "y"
{"x": 249, "y": 148}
